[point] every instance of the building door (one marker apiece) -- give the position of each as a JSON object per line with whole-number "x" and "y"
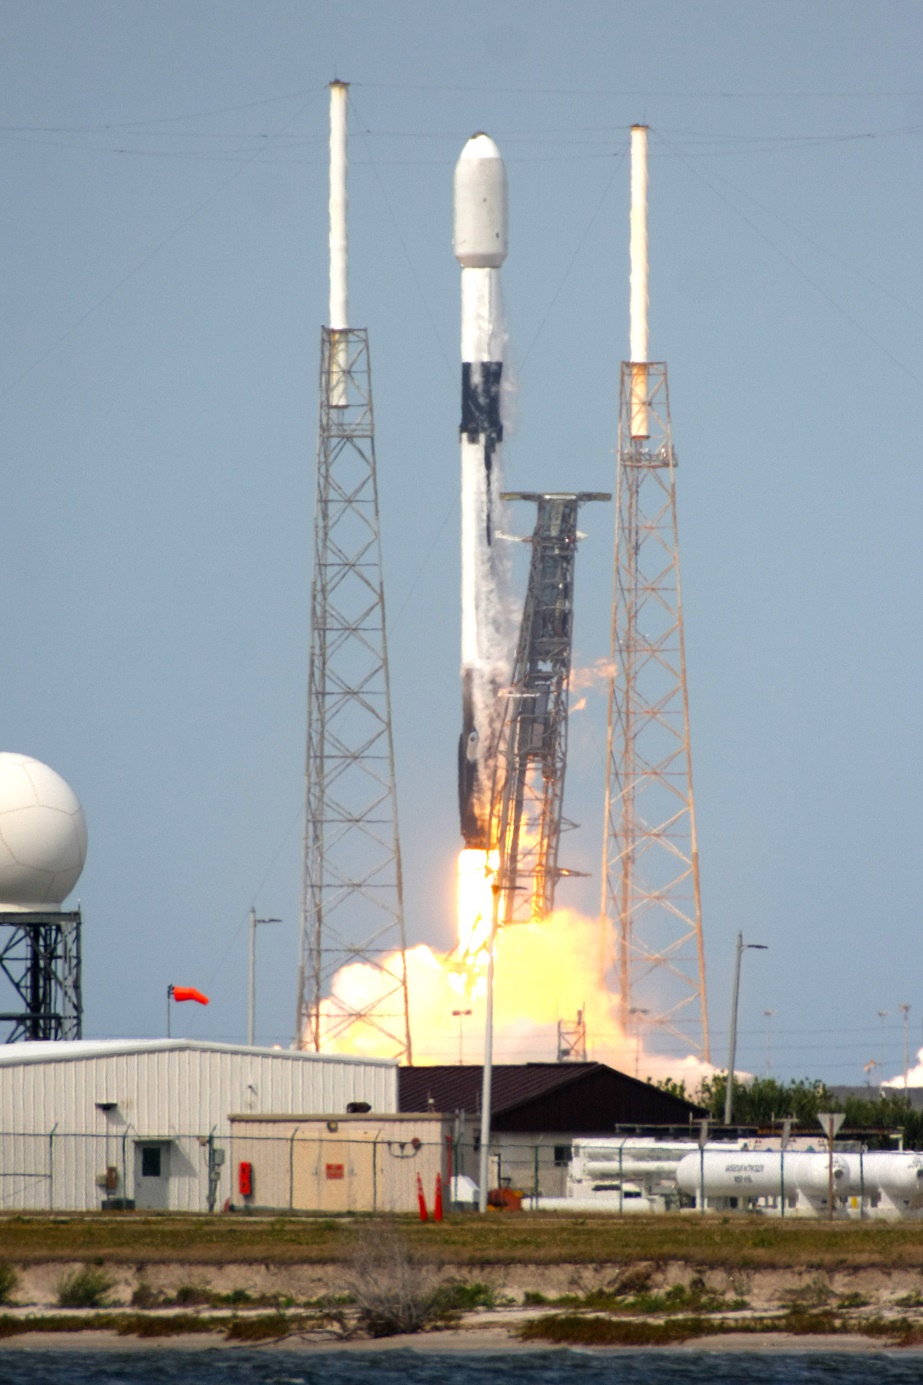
{"x": 152, "y": 1174}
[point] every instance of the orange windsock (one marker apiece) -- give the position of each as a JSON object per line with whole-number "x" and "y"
{"x": 188, "y": 993}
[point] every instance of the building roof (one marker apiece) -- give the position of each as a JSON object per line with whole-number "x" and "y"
{"x": 64, "y": 1050}
{"x": 571, "y": 1098}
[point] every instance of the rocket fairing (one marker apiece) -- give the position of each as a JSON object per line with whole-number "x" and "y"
{"x": 480, "y": 245}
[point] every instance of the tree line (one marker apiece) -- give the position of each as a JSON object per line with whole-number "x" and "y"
{"x": 767, "y": 1102}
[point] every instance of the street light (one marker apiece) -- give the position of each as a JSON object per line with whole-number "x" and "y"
{"x": 251, "y": 1006}
{"x": 768, "y": 1014}
{"x": 729, "y": 1094}
{"x": 905, "y": 1011}
{"x": 460, "y": 1016}
{"x": 487, "y": 1072}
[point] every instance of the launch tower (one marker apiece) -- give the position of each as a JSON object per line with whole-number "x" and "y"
{"x": 532, "y": 749}
{"x": 352, "y": 899}
{"x": 651, "y": 909}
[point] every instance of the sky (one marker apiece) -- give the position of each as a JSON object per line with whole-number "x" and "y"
{"x": 163, "y": 271}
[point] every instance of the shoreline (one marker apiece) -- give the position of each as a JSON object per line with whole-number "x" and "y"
{"x": 488, "y": 1340}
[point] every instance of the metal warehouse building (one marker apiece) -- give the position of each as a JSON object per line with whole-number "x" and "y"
{"x": 144, "y": 1122}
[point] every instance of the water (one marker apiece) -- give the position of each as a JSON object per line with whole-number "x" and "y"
{"x": 561, "y": 1367}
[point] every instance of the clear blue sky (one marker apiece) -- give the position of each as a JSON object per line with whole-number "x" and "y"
{"x": 163, "y": 263}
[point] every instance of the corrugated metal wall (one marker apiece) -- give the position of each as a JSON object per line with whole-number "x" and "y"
{"x": 63, "y": 1122}
{"x": 362, "y": 1165}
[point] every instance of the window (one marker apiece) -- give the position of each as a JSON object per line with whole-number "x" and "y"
{"x": 150, "y": 1161}
{"x": 562, "y": 1154}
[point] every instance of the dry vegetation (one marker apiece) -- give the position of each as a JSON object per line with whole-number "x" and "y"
{"x": 464, "y": 1241}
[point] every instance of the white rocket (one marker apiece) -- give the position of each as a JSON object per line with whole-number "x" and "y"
{"x": 480, "y": 244}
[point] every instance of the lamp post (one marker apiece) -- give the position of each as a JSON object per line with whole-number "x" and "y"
{"x": 905, "y": 1011}
{"x": 460, "y": 1016}
{"x": 742, "y": 947}
{"x": 487, "y": 1075}
{"x": 768, "y": 1014}
{"x": 251, "y": 1005}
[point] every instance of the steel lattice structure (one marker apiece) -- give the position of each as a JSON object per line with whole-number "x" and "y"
{"x": 532, "y": 749}
{"x": 651, "y": 906}
{"x": 40, "y": 961}
{"x": 352, "y": 899}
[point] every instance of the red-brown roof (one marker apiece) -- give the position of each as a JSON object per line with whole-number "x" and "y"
{"x": 587, "y": 1098}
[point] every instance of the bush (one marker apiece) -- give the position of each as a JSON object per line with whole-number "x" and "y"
{"x": 393, "y": 1292}
{"x": 146, "y": 1297}
{"x": 88, "y": 1287}
{"x": 9, "y": 1279}
{"x": 458, "y": 1297}
{"x": 192, "y": 1296}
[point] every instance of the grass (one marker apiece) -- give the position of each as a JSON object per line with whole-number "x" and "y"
{"x": 732, "y": 1242}
{"x": 573, "y": 1329}
{"x": 266, "y": 1327}
{"x": 88, "y": 1287}
{"x": 9, "y": 1281}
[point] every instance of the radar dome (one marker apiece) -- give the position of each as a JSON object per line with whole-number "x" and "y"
{"x": 43, "y": 835}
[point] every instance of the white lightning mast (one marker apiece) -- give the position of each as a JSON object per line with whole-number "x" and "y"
{"x": 352, "y": 900}
{"x": 651, "y": 907}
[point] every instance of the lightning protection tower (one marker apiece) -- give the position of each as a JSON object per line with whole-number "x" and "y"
{"x": 352, "y": 899}
{"x": 532, "y": 750}
{"x": 651, "y": 908}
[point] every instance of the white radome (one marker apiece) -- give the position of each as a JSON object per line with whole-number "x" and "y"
{"x": 43, "y": 835}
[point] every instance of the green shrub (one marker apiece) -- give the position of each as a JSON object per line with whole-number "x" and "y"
{"x": 458, "y": 1297}
{"x": 191, "y": 1296}
{"x": 146, "y": 1297}
{"x": 9, "y": 1279}
{"x": 88, "y": 1287}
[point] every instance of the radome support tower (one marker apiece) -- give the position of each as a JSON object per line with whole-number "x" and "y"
{"x": 652, "y": 942}
{"x": 352, "y": 897}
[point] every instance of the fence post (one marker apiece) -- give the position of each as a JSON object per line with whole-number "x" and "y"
{"x": 51, "y": 1167}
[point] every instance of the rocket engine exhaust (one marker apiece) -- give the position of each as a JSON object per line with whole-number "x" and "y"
{"x": 480, "y": 245}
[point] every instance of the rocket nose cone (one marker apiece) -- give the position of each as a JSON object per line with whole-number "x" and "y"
{"x": 480, "y": 146}
{"x": 480, "y": 239}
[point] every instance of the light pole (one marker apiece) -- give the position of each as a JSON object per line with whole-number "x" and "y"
{"x": 487, "y": 1075}
{"x": 768, "y": 1014}
{"x": 905, "y": 1011}
{"x": 742, "y": 947}
{"x": 460, "y": 1016}
{"x": 251, "y": 1006}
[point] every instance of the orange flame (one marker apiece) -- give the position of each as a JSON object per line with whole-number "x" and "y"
{"x": 546, "y": 972}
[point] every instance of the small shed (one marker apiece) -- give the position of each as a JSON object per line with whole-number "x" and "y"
{"x": 360, "y": 1162}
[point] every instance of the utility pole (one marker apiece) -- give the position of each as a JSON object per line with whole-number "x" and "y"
{"x": 251, "y": 990}
{"x": 742, "y": 947}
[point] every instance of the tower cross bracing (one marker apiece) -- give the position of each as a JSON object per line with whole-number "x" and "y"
{"x": 352, "y": 897}
{"x": 651, "y": 903}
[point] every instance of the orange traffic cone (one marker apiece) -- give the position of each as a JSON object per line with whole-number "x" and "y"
{"x": 437, "y": 1204}
{"x": 424, "y": 1215}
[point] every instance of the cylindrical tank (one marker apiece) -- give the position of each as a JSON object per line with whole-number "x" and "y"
{"x": 633, "y": 1168}
{"x": 480, "y": 238}
{"x": 897, "y": 1173}
{"x": 768, "y": 1173}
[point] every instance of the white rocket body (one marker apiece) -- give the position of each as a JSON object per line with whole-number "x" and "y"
{"x": 480, "y": 245}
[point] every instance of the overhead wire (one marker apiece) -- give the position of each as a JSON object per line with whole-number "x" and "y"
{"x": 895, "y": 360}
{"x": 138, "y": 266}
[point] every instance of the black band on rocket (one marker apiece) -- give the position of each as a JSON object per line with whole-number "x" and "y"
{"x": 481, "y": 400}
